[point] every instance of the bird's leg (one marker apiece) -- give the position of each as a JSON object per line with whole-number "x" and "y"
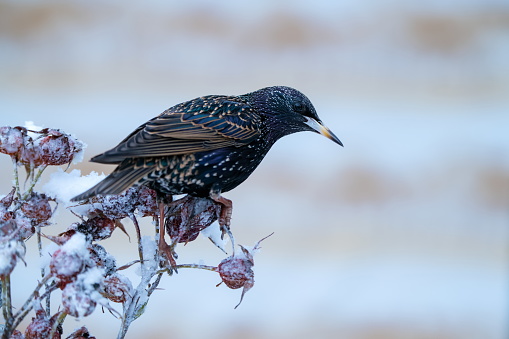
{"x": 225, "y": 215}
{"x": 165, "y": 249}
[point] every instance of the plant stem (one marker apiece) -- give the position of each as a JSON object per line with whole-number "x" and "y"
{"x": 7, "y": 306}
{"x": 43, "y": 271}
{"x": 28, "y": 305}
{"x": 16, "y": 177}
{"x": 138, "y": 236}
{"x": 202, "y": 267}
{"x": 60, "y": 319}
{"x": 34, "y": 181}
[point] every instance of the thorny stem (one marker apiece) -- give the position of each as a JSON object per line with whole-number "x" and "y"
{"x": 7, "y": 306}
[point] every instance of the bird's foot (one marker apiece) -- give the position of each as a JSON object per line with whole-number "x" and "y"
{"x": 168, "y": 256}
{"x": 166, "y": 251}
{"x": 225, "y": 216}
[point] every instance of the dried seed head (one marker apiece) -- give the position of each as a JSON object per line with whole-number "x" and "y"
{"x": 102, "y": 259}
{"x": 236, "y": 272}
{"x": 77, "y": 301}
{"x": 40, "y": 327}
{"x": 6, "y": 201}
{"x": 30, "y": 154}
{"x": 70, "y": 259}
{"x": 37, "y": 208}
{"x": 117, "y": 288}
{"x": 58, "y": 148}
{"x": 66, "y": 265}
{"x": 10, "y": 251}
{"x": 118, "y": 206}
{"x": 80, "y": 333}
{"x": 7, "y": 229}
{"x": 12, "y": 140}
{"x": 146, "y": 203}
{"x": 17, "y": 335}
{"x": 99, "y": 227}
{"x": 24, "y": 224}
{"x": 190, "y": 215}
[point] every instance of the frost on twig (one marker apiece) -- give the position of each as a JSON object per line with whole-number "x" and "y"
{"x": 80, "y": 267}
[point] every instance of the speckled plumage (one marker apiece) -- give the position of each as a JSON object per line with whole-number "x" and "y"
{"x": 208, "y": 144}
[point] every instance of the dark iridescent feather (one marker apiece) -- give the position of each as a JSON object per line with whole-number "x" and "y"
{"x": 208, "y": 143}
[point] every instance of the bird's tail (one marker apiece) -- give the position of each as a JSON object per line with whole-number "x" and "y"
{"x": 127, "y": 174}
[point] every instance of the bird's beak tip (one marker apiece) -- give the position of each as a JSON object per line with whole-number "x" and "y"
{"x": 320, "y": 128}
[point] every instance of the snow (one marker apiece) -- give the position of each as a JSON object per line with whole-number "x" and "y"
{"x": 91, "y": 278}
{"x": 213, "y": 232}
{"x": 63, "y": 185}
{"x": 77, "y": 244}
{"x": 78, "y": 156}
{"x": 47, "y": 253}
{"x": 10, "y": 251}
{"x": 149, "y": 252}
{"x": 30, "y": 126}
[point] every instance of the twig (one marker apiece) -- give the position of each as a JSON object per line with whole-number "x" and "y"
{"x": 154, "y": 284}
{"x": 60, "y": 319}
{"x": 28, "y": 305}
{"x": 138, "y": 236}
{"x": 43, "y": 271}
{"x": 34, "y": 181}
{"x": 16, "y": 176}
{"x": 7, "y": 306}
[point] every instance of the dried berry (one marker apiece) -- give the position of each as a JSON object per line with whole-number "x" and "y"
{"x": 119, "y": 206}
{"x": 37, "y": 208}
{"x": 190, "y": 215}
{"x": 30, "y": 154}
{"x": 77, "y": 301}
{"x": 117, "y": 288}
{"x": 17, "y": 335}
{"x": 147, "y": 202}
{"x": 99, "y": 227}
{"x": 7, "y": 229}
{"x": 41, "y": 325}
{"x": 69, "y": 260}
{"x": 236, "y": 272}
{"x": 6, "y": 201}
{"x": 10, "y": 251}
{"x": 24, "y": 224}
{"x": 56, "y": 148}
{"x": 102, "y": 259}
{"x": 66, "y": 265}
{"x": 12, "y": 139}
{"x": 81, "y": 333}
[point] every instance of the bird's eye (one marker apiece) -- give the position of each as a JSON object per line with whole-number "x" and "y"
{"x": 299, "y": 107}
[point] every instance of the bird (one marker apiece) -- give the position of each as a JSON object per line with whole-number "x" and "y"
{"x": 208, "y": 145}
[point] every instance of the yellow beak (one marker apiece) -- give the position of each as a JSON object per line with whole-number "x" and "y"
{"x": 323, "y": 130}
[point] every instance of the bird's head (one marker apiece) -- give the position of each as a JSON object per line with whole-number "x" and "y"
{"x": 287, "y": 111}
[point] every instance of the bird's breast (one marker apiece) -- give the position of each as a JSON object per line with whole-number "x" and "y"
{"x": 195, "y": 174}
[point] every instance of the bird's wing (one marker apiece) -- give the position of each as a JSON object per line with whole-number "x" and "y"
{"x": 198, "y": 125}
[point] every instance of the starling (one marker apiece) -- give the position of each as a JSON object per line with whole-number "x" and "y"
{"x": 207, "y": 145}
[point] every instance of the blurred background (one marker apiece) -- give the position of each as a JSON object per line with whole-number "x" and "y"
{"x": 403, "y": 233}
